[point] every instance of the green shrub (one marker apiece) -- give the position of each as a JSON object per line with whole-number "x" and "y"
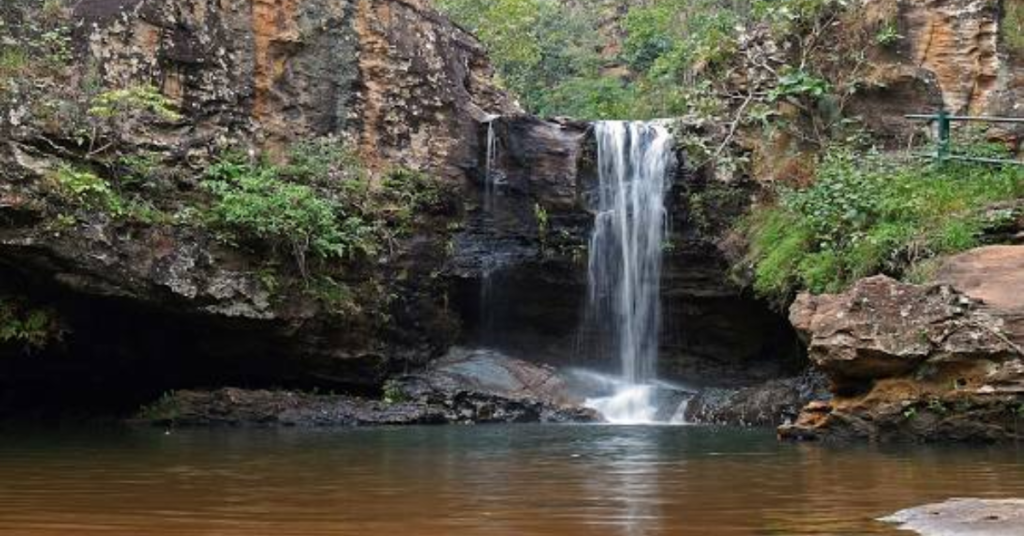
{"x": 30, "y": 327}
{"x": 83, "y": 188}
{"x": 254, "y": 204}
{"x": 867, "y": 214}
{"x": 1012, "y": 26}
{"x": 117, "y": 103}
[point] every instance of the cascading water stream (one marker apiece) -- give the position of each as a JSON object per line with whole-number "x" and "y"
{"x": 491, "y": 179}
{"x": 634, "y": 159}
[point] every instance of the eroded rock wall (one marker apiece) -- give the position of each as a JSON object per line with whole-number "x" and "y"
{"x": 392, "y": 76}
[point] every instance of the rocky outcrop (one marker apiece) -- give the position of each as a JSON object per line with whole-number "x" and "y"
{"x": 240, "y": 407}
{"x": 464, "y": 387}
{"x": 909, "y": 362}
{"x": 948, "y": 54}
{"x": 963, "y": 517}
{"x": 772, "y": 403}
{"x": 993, "y": 275}
{"x": 486, "y": 386}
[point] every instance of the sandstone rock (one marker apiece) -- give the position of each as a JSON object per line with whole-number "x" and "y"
{"x": 882, "y": 328}
{"x": 394, "y": 77}
{"x": 994, "y": 275}
{"x": 908, "y": 362}
{"x": 963, "y": 517}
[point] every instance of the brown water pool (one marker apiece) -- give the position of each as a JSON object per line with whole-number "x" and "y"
{"x": 483, "y": 480}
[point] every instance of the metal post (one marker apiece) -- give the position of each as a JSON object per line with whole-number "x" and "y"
{"x": 943, "y": 149}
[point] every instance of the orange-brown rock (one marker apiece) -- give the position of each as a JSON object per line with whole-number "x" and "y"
{"x": 993, "y": 275}
{"x": 391, "y": 76}
{"x": 909, "y": 362}
{"x": 957, "y": 41}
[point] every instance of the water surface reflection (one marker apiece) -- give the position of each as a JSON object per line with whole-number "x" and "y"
{"x": 525, "y": 480}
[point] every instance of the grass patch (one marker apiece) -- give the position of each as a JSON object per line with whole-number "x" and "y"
{"x": 868, "y": 214}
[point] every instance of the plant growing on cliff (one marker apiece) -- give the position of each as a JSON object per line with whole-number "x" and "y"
{"x": 33, "y": 328}
{"x": 253, "y": 204}
{"x": 867, "y": 214}
{"x": 79, "y": 187}
{"x": 115, "y": 112}
{"x": 1012, "y": 26}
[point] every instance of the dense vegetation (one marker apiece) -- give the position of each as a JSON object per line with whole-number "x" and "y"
{"x": 321, "y": 203}
{"x": 869, "y": 214}
{"x": 774, "y": 69}
{"x": 583, "y": 59}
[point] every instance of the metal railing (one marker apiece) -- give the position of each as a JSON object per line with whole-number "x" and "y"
{"x": 943, "y": 150}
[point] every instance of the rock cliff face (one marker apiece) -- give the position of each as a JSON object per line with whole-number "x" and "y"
{"x": 535, "y": 273}
{"x": 168, "y": 303}
{"x": 950, "y": 53}
{"x": 402, "y": 82}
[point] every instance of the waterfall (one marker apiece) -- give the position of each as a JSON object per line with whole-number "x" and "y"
{"x": 624, "y": 273}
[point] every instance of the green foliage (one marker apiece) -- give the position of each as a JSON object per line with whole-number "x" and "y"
{"x": 319, "y": 205}
{"x": 136, "y": 169}
{"x": 798, "y": 83}
{"x": 1012, "y": 26}
{"x": 325, "y": 161}
{"x": 393, "y": 393}
{"x": 13, "y": 61}
{"x": 336, "y": 296}
{"x": 791, "y": 17}
{"x": 32, "y": 328}
{"x": 535, "y": 44}
{"x": 867, "y": 214}
{"x": 543, "y": 221}
{"x": 675, "y": 37}
{"x": 888, "y": 35}
{"x": 557, "y": 56}
{"x": 165, "y": 409}
{"x": 83, "y": 188}
{"x": 254, "y": 204}
{"x": 117, "y": 103}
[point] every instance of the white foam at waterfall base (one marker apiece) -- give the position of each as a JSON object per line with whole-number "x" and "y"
{"x": 624, "y": 403}
{"x": 629, "y": 404}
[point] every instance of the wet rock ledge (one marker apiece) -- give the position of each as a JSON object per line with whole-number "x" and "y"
{"x": 464, "y": 387}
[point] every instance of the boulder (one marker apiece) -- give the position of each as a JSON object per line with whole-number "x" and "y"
{"x": 993, "y": 275}
{"x": 963, "y": 517}
{"x": 772, "y": 403}
{"x": 909, "y": 362}
{"x": 486, "y": 386}
{"x": 882, "y": 328}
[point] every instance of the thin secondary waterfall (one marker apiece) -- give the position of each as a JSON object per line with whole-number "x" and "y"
{"x": 634, "y": 159}
{"x": 491, "y": 179}
{"x": 490, "y": 175}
